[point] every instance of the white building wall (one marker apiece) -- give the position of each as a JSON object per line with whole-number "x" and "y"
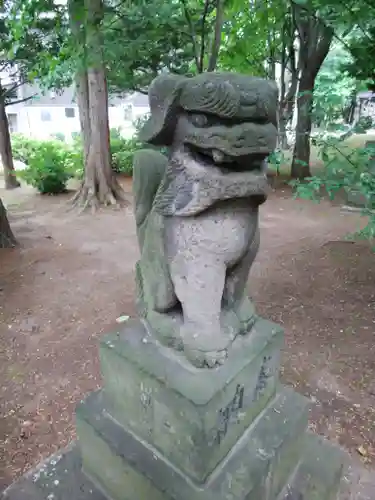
{"x": 31, "y": 120}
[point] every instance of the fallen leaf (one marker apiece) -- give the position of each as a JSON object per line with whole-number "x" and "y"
{"x": 122, "y": 319}
{"x": 362, "y": 451}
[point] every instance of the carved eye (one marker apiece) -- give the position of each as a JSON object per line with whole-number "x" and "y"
{"x": 199, "y": 120}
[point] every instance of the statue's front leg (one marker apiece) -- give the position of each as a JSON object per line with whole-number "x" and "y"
{"x": 199, "y": 284}
{"x": 235, "y": 297}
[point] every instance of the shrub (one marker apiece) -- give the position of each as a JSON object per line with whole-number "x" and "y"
{"x": 363, "y": 124}
{"x": 23, "y": 147}
{"x": 76, "y": 148}
{"x": 122, "y": 152}
{"x": 50, "y": 163}
{"x": 350, "y": 170}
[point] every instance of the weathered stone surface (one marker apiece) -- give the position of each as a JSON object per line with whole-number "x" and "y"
{"x": 193, "y": 416}
{"x": 256, "y": 468}
{"x": 357, "y": 483}
{"x": 60, "y": 477}
{"x": 318, "y": 474}
{"x": 197, "y": 212}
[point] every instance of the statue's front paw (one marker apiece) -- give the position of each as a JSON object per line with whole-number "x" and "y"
{"x": 209, "y": 359}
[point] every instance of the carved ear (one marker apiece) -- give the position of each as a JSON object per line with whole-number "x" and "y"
{"x": 164, "y": 98}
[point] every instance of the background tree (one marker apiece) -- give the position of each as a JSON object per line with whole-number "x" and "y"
{"x": 314, "y": 41}
{"x": 334, "y": 87}
{"x": 99, "y": 185}
{"x": 179, "y": 37}
{"x": 25, "y": 35}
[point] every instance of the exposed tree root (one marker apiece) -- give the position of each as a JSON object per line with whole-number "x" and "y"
{"x": 90, "y": 197}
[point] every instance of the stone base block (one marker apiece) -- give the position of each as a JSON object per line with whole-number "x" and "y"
{"x": 193, "y": 417}
{"x": 60, "y": 477}
{"x": 318, "y": 474}
{"x": 258, "y": 466}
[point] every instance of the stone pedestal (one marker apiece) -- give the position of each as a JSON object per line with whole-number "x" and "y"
{"x": 164, "y": 430}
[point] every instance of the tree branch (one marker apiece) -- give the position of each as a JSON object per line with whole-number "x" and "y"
{"x": 9, "y": 91}
{"x": 12, "y": 103}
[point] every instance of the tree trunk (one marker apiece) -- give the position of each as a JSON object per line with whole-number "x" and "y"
{"x": 301, "y": 155}
{"x": 315, "y": 39}
{"x": 82, "y": 92}
{"x": 76, "y": 21}
{"x": 99, "y": 185}
{"x": 6, "y": 150}
{"x": 288, "y": 81}
{"x": 283, "y": 137}
{"x": 7, "y": 239}
{"x": 216, "y": 42}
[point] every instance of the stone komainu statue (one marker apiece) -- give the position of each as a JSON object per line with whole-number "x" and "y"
{"x": 197, "y": 211}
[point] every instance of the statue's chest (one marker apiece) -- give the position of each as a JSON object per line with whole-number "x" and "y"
{"x": 224, "y": 232}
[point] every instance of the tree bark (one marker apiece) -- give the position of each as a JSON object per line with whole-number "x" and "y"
{"x": 301, "y": 154}
{"x": 76, "y": 21}
{"x": 288, "y": 82}
{"x": 314, "y": 40}
{"x": 100, "y": 186}
{"x": 82, "y": 93}
{"x": 6, "y": 150}
{"x": 7, "y": 239}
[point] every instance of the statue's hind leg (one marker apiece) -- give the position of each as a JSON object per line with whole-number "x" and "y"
{"x": 158, "y": 306}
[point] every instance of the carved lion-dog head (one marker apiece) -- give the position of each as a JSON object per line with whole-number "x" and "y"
{"x": 223, "y": 119}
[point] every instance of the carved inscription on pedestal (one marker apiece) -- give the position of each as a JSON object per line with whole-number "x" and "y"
{"x": 229, "y": 413}
{"x": 265, "y": 374}
{"x": 241, "y": 402}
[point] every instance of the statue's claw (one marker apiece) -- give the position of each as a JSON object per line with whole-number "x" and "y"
{"x": 209, "y": 359}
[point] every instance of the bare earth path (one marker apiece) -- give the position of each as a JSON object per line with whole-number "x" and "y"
{"x": 73, "y": 276}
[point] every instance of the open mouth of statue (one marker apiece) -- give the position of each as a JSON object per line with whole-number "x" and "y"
{"x": 219, "y": 159}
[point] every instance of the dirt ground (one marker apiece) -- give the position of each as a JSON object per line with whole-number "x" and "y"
{"x": 73, "y": 276}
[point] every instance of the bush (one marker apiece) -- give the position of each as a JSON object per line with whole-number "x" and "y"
{"x": 363, "y": 124}
{"x": 350, "y": 170}
{"x": 50, "y": 164}
{"x": 122, "y": 152}
{"x": 23, "y": 147}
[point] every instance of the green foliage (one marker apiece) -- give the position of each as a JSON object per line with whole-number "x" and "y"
{"x": 363, "y": 124}
{"x": 23, "y": 147}
{"x": 31, "y": 36}
{"x": 334, "y": 87}
{"x": 345, "y": 170}
{"x": 362, "y": 50}
{"x": 122, "y": 151}
{"x": 253, "y": 36}
{"x": 154, "y": 38}
{"x": 50, "y": 163}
